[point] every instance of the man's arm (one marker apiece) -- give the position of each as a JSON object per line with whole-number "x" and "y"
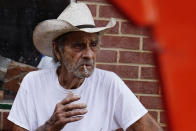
{"x": 18, "y": 128}
{"x": 146, "y": 123}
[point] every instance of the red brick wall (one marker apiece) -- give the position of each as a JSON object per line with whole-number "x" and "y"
{"x": 125, "y": 50}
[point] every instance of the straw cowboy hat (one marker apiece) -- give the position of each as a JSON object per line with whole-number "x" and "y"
{"x": 75, "y": 17}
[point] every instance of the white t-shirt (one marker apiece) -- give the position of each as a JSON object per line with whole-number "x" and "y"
{"x": 110, "y": 104}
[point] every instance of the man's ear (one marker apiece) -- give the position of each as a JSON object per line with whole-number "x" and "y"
{"x": 56, "y": 51}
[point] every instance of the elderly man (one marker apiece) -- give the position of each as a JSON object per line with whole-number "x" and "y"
{"x": 75, "y": 96}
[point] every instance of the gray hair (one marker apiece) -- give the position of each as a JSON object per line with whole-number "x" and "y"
{"x": 60, "y": 41}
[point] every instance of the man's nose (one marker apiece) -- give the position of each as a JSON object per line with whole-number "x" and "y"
{"x": 88, "y": 53}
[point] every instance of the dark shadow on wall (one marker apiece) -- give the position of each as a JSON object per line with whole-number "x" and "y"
{"x": 18, "y": 55}
{"x": 17, "y": 21}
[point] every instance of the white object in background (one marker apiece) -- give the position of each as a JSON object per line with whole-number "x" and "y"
{"x": 73, "y": 0}
{"x": 47, "y": 62}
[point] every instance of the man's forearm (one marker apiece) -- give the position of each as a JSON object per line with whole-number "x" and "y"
{"x": 146, "y": 123}
{"x": 42, "y": 128}
{"x": 46, "y": 127}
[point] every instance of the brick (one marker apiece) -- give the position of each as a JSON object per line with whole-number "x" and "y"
{"x": 151, "y": 102}
{"x": 7, "y": 125}
{"x": 109, "y": 11}
{"x": 120, "y": 42}
{"x": 149, "y": 73}
{"x": 102, "y": 23}
{"x": 122, "y": 70}
{"x": 162, "y": 117}
{"x": 148, "y": 44}
{"x": 136, "y": 57}
{"x": 106, "y": 56}
{"x": 154, "y": 114}
{"x": 92, "y": 9}
{"x": 143, "y": 87}
{"x": 130, "y": 28}
{"x": 146, "y": 31}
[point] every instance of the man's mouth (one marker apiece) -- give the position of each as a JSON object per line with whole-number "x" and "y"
{"x": 87, "y": 65}
{"x": 85, "y": 70}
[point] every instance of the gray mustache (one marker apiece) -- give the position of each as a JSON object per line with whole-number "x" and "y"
{"x": 86, "y": 62}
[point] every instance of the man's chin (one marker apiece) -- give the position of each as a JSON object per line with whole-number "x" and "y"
{"x": 84, "y": 74}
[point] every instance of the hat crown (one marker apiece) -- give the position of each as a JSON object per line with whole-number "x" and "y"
{"x": 77, "y": 14}
{"x": 76, "y": 17}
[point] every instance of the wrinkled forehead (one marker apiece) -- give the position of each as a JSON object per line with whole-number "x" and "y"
{"x": 82, "y": 36}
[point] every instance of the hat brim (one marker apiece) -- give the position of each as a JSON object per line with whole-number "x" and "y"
{"x": 46, "y": 31}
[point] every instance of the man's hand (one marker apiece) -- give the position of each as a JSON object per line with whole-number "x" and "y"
{"x": 65, "y": 112}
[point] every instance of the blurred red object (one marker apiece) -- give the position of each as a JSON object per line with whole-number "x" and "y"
{"x": 174, "y": 27}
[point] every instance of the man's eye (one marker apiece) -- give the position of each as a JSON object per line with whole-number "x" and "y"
{"x": 94, "y": 44}
{"x": 77, "y": 45}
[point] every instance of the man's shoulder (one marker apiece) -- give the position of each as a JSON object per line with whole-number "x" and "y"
{"x": 104, "y": 74}
{"x": 107, "y": 80}
{"x": 40, "y": 73}
{"x": 36, "y": 79}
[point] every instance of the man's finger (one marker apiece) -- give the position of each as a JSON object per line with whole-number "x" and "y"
{"x": 75, "y": 118}
{"x": 75, "y": 113}
{"x": 69, "y": 99}
{"x": 70, "y": 107}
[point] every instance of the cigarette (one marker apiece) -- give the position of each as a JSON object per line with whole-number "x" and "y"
{"x": 85, "y": 70}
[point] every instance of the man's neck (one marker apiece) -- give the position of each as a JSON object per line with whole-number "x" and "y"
{"x": 67, "y": 80}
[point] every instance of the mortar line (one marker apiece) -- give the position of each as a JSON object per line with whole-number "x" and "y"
{"x": 124, "y": 35}
{"x": 122, "y": 49}
{"x": 141, "y": 44}
{"x": 162, "y": 125}
{"x": 138, "y": 97}
{"x": 97, "y": 11}
{"x": 139, "y": 72}
{"x": 4, "y": 110}
{"x": 125, "y": 64}
{"x": 158, "y": 116}
{"x": 142, "y": 80}
{"x": 118, "y": 56}
{"x": 156, "y": 110}
{"x": 120, "y": 27}
{"x": 154, "y": 95}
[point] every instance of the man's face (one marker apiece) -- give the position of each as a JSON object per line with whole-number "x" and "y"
{"x": 79, "y": 53}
